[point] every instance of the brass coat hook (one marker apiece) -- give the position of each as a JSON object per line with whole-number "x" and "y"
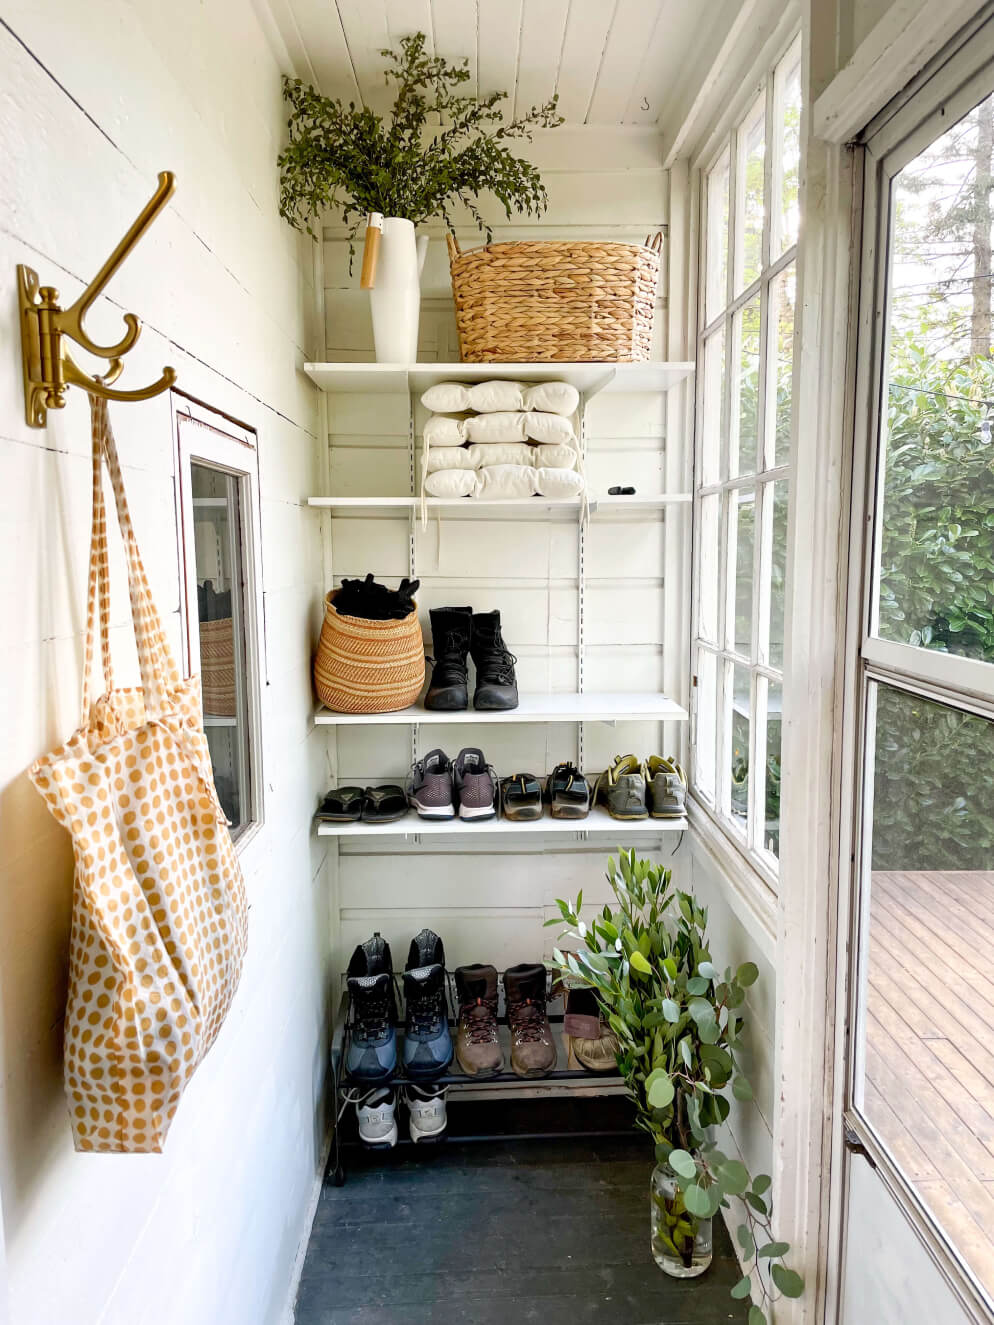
{"x": 48, "y": 366}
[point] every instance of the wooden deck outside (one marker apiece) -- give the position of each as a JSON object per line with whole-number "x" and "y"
{"x": 929, "y": 1088}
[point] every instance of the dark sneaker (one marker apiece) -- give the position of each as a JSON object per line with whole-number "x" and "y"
{"x": 533, "y": 1050}
{"x": 667, "y": 788}
{"x": 568, "y": 793}
{"x": 377, "y": 1116}
{"x": 621, "y": 789}
{"x": 429, "y": 787}
{"x": 521, "y": 797}
{"x": 477, "y": 790}
{"x": 450, "y": 631}
{"x": 478, "y": 1048}
{"x": 426, "y": 1113}
{"x": 427, "y": 1042}
{"x": 496, "y": 686}
{"x": 372, "y": 1052}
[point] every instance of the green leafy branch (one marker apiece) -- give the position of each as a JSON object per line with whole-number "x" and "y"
{"x": 438, "y": 148}
{"x": 679, "y": 1025}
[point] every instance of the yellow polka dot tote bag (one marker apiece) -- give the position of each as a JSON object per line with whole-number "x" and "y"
{"x": 159, "y": 917}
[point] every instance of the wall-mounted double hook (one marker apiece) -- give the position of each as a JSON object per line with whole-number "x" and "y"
{"x": 48, "y": 366}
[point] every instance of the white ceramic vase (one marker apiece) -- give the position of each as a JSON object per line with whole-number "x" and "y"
{"x": 395, "y": 299}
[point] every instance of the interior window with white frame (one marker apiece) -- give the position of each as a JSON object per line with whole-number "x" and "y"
{"x": 748, "y": 251}
{"x": 217, "y": 498}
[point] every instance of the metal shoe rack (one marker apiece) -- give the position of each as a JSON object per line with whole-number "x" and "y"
{"x": 561, "y": 1082}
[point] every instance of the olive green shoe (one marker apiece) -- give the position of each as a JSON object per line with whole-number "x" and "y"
{"x": 621, "y": 789}
{"x": 666, "y": 783}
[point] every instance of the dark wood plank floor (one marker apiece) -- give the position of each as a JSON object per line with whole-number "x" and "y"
{"x": 511, "y": 1230}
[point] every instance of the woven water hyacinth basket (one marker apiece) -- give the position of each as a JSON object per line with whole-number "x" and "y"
{"x": 217, "y": 667}
{"x": 555, "y": 301}
{"x": 368, "y": 666}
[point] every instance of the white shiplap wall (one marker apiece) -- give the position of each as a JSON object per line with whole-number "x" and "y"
{"x": 96, "y": 99}
{"x": 489, "y": 904}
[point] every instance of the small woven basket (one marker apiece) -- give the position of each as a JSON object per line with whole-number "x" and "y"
{"x": 545, "y": 301}
{"x": 368, "y": 666}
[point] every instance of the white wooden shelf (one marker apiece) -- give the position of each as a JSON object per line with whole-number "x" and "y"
{"x": 597, "y": 821}
{"x": 416, "y": 378}
{"x": 469, "y": 504}
{"x": 531, "y": 708}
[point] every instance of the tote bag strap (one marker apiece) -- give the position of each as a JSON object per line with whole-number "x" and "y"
{"x": 158, "y": 667}
{"x": 98, "y": 589}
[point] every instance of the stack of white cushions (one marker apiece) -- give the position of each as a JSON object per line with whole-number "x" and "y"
{"x": 501, "y": 440}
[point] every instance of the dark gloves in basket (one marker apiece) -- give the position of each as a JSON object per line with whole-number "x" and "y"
{"x": 375, "y": 602}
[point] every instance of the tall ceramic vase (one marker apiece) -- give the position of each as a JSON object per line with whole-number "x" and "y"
{"x": 395, "y": 299}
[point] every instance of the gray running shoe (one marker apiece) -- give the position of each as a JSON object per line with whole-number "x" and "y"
{"x": 477, "y": 788}
{"x": 667, "y": 784}
{"x": 429, "y": 787}
{"x": 621, "y": 788}
{"x": 377, "y": 1115}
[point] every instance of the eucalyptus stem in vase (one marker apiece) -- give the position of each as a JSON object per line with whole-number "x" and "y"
{"x": 679, "y": 1022}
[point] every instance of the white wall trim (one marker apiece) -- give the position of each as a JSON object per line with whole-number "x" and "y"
{"x": 749, "y": 895}
{"x": 903, "y": 40}
{"x": 289, "y": 1312}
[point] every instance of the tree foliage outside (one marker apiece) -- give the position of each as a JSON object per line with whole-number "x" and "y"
{"x": 933, "y": 806}
{"x": 439, "y": 148}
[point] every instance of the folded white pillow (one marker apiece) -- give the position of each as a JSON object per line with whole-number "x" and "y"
{"x": 488, "y": 397}
{"x": 502, "y": 453}
{"x": 553, "y": 397}
{"x": 502, "y": 482}
{"x": 505, "y": 426}
{"x": 558, "y": 482}
{"x": 449, "y": 457}
{"x": 445, "y": 430}
{"x": 452, "y": 483}
{"x": 555, "y": 457}
{"x": 550, "y": 428}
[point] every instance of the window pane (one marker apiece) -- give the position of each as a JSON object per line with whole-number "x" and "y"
{"x": 750, "y": 192}
{"x": 778, "y": 573}
{"x": 745, "y": 439}
{"x": 925, "y": 1065}
{"x": 739, "y": 746}
{"x": 935, "y": 581}
{"x": 712, "y": 400}
{"x": 710, "y": 561}
{"x": 771, "y": 797}
{"x": 788, "y": 98}
{"x": 741, "y": 544}
{"x": 220, "y": 611}
{"x": 782, "y": 295}
{"x": 716, "y": 289}
{"x": 706, "y": 732}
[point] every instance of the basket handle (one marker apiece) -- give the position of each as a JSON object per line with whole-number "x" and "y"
{"x": 452, "y": 244}
{"x": 655, "y": 242}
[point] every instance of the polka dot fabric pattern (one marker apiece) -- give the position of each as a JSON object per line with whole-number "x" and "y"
{"x": 159, "y": 924}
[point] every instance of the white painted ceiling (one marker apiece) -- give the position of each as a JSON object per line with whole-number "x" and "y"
{"x": 613, "y": 62}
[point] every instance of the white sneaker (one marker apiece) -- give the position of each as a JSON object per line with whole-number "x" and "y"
{"x": 426, "y": 1107}
{"x": 377, "y": 1115}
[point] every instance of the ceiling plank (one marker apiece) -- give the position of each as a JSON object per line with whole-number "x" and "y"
{"x": 405, "y": 17}
{"x": 542, "y": 28}
{"x": 497, "y": 48}
{"x": 456, "y": 25}
{"x": 679, "y": 29}
{"x": 587, "y": 27}
{"x": 323, "y": 37}
{"x": 630, "y": 34}
{"x": 365, "y": 28}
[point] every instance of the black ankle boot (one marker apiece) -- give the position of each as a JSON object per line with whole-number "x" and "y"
{"x": 450, "y": 638}
{"x": 496, "y": 686}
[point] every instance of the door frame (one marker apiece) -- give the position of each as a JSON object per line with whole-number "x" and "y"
{"x": 949, "y": 87}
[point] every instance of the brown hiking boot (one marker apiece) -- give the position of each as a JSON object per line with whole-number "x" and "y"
{"x": 533, "y": 1050}
{"x": 477, "y": 1046}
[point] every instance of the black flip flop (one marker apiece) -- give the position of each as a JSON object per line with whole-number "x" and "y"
{"x": 382, "y": 805}
{"x": 343, "y": 805}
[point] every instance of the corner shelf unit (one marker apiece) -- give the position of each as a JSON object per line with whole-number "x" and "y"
{"x": 579, "y": 707}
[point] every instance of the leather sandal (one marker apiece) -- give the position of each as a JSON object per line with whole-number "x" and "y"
{"x": 343, "y": 805}
{"x": 382, "y": 805}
